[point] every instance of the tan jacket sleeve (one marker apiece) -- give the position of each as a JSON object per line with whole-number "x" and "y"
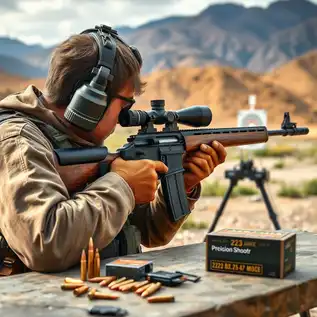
{"x": 42, "y": 224}
{"x": 153, "y": 220}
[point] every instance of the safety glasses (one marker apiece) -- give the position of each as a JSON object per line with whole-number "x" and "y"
{"x": 129, "y": 101}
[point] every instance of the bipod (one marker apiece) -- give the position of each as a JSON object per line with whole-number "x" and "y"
{"x": 246, "y": 170}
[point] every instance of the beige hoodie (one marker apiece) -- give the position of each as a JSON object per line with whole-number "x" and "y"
{"x": 45, "y": 226}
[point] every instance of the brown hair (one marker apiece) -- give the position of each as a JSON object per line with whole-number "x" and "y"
{"x": 72, "y": 62}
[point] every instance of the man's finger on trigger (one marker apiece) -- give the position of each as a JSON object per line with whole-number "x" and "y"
{"x": 160, "y": 167}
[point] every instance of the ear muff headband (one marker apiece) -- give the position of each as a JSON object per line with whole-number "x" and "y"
{"x": 90, "y": 101}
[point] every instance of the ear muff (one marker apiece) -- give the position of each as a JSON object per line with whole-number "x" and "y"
{"x": 137, "y": 54}
{"x": 89, "y": 102}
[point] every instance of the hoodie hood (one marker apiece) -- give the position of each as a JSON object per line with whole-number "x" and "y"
{"x": 29, "y": 102}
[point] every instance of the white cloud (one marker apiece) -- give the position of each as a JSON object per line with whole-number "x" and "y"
{"x": 51, "y": 21}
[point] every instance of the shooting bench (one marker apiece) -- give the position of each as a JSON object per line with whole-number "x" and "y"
{"x": 224, "y": 295}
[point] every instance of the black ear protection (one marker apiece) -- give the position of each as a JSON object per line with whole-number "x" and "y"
{"x": 90, "y": 101}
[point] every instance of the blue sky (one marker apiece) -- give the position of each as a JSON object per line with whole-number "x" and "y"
{"x": 50, "y": 21}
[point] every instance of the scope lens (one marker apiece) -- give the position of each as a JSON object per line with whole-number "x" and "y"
{"x": 133, "y": 118}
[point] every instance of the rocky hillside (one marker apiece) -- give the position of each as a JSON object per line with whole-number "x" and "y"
{"x": 258, "y": 39}
{"x": 225, "y": 89}
{"x": 18, "y": 58}
{"x": 291, "y": 87}
{"x": 228, "y": 34}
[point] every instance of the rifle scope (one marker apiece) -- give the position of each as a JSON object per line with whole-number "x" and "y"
{"x": 195, "y": 116}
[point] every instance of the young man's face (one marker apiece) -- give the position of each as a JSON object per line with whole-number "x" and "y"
{"x": 108, "y": 123}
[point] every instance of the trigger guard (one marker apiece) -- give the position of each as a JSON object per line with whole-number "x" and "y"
{"x": 161, "y": 175}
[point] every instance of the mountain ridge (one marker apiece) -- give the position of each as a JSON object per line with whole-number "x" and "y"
{"x": 227, "y": 34}
{"x": 290, "y": 87}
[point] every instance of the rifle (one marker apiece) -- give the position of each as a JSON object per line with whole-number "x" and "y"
{"x": 171, "y": 143}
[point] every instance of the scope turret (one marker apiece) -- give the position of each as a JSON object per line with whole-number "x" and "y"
{"x": 194, "y": 116}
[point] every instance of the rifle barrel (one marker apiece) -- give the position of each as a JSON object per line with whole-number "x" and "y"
{"x": 292, "y": 131}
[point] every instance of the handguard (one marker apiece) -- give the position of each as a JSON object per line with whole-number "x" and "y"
{"x": 173, "y": 183}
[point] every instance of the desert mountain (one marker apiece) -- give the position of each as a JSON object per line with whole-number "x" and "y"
{"x": 228, "y": 34}
{"x": 225, "y": 89}
{"x": 284, "y": 46}
{"x": 17, "y": 58}
{"x": 298, "y": 76}
{"x": 258, "y": 39}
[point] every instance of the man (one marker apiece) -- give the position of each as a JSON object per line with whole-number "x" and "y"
{"x": 43, "y": 221}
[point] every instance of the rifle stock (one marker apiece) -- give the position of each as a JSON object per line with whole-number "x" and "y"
{"x": 76, "y": 177}
{"x": 87, "y": 168}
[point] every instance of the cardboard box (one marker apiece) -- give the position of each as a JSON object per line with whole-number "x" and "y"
{"x": 251, "y": 252}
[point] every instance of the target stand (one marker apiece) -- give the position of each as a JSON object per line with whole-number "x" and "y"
{"x": 252, "y": 117}
{"x": 246, "y": 169}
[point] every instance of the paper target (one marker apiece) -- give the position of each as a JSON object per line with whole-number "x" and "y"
{"x": 250, "y": 118}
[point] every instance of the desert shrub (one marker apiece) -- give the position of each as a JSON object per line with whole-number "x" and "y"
{"x": 310, "y": 187}
{"x": 213, "y": 189}
{"x": 279, "y": 165}
{"x": 190, "y": 223}
{"x": 241, "y": 190}
{"x": 275, "y": 181}
{"x": 307, "y": 188}
{"x": 310, "y": 153}
{"x": 290, "y": 191}
{"x": 276, "y": 151}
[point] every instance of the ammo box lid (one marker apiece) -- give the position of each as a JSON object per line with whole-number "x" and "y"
{"x": 129, "y": 263}
{"x": 253, "y": 234}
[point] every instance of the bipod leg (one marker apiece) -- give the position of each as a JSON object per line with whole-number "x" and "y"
{"x": 272, "y": 214}
{"x": 222, "y": 205}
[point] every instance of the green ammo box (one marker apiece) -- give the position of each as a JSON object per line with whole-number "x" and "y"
{"x": 251, "y": 252}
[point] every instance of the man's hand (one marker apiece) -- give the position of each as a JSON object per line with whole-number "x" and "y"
{"x": 141, "y": 175}
{"x": 200, "y": 164}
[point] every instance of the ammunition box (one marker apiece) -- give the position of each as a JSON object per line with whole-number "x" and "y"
{"x": 129, "y": 268}
{"x": 251, "y": 252}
